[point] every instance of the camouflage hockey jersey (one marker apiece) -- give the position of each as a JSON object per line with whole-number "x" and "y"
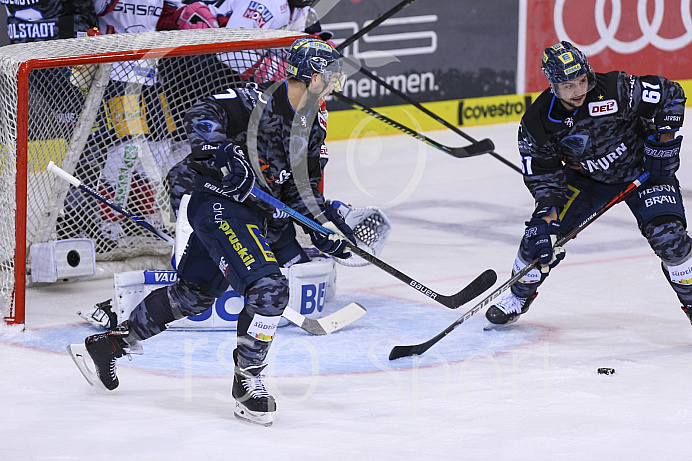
{"x": 602, "y": 140}
{"x": 39, "y": 20}
{"x": 286, "y": 148}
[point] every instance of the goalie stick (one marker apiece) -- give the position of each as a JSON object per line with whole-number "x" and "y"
{"x": 477, "y": 148}
{"x": 473, "y": 289}
{"x": 339, "y": 319}
{"x": 418, "y": 349}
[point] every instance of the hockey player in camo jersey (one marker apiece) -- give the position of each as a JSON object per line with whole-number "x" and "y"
{"x": 270, "y": 135}
{"x": 581, "y": 142}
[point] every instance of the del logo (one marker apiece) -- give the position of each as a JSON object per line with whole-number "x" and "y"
{"x": 603, "y": 107}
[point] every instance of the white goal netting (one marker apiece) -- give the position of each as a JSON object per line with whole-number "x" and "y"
{"x": 108, "y": 110}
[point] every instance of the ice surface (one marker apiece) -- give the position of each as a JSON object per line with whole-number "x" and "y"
{"x": 532, "y": 392}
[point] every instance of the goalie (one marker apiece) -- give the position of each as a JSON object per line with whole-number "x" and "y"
{"x": 281, "y": 127}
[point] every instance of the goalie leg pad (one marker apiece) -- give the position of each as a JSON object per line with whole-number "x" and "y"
{"x": 311, "y": 284}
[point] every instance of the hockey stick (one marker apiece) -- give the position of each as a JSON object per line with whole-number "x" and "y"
{"x": 476, "y": 287}
{"x": 418, "y": 349}
{"x": 373, "y": 24}
{"x": 477, "y": 148}
{"x": 56, "y": 170}
{"x": 434, "y": 116}
{"x": 328, "y": 324}
{"x": 322, "y": 326}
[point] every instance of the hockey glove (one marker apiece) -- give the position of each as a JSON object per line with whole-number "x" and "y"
{"x": 540, "y": 237}
{"x": 238, "y": 178}
{"x": 196, "y": 16}
{"x": 335, "y": 244}
{"x": 671, "y": 117}
{"x": 661, "y": 159}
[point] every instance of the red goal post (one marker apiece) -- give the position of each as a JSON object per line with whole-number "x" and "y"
{"x": 107, "y": 109}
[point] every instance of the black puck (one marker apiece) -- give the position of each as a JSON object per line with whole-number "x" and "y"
{"x": 73, "y": 258}
{"x": 606, "y": 371}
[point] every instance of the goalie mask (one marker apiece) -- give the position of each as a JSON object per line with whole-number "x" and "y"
{"x": 564, "y": 62}
{"x": 309, "y": 56}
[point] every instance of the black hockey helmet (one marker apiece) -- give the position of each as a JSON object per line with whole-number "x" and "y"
{"x": 310, "y": 55}
{"x": 563, "y": 62}
{"x": 301, "y": 3}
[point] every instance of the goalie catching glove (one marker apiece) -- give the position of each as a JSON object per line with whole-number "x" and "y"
{"x": 335, "y": 244}
{"x": 238, "y": 178}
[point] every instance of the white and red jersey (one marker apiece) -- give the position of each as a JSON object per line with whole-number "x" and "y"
{"x": 133, "y": 16}
{"x": 258, "y": 14}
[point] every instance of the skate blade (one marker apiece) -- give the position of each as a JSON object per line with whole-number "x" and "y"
{"x": 82, "y": 359}
{"x": 255, "y": 417}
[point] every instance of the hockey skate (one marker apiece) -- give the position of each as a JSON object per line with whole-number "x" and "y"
{"x": 102, "y": 351}
{"x": 253, "y": 402}
{"x": 688, "y": 312}
{"x": 508, "y": 310}
{"x": 101, "y": 315}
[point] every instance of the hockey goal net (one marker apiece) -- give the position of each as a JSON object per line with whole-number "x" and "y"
{"x": 107, "y": 109}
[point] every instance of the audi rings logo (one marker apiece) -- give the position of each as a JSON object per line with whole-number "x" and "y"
{"x": 650, "y": 30}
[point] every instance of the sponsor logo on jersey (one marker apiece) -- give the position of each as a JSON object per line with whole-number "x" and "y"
{"x": 598, "y": 108}
{"x": 577, "y": 143}
{"x": 324, "y": 152}
{"x": 130, "y": 156}
{"x": 20, "y": 2}
{"x": 269, "y": 176}
{"x": 245, "y": 256}
{"x": 261, "y": 242}
{"x": 223, "y": 265}
{"x": 138, "y": 10}
{"x": 322, "y": 120}
{"x": 604, "y": 162}
{"x": 32, "y": 31}
{"x": 672, "y": 118}
{"x": 205, "y": 128}
{"x": 258, "y": 13}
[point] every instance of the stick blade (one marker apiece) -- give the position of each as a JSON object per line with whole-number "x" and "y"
{"x": 483, "y": 146}
{"x": 473, "y": 289}
{"x": 329, "y": 324}
{"x": 341, "y": 318}
{"x": 398, "y": 352}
